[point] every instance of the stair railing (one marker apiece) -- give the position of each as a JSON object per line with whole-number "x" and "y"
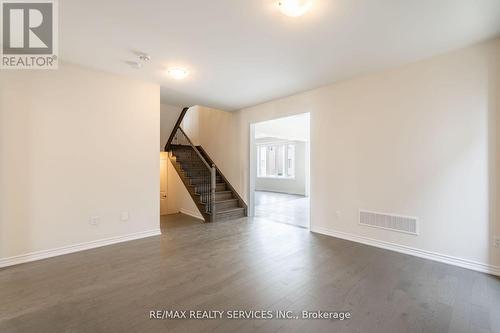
{"x": 176, "y": 126}
{"x": 206, "y": 175}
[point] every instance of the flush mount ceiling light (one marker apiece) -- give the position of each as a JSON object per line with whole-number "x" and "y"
{"x": 294, "y": 8}
{"x": 178, "y": 73}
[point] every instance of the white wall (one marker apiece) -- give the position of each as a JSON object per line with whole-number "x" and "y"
{"x": 168, "y": 116}
{"x": 417, "y": 140}
{"x": 218, "y": 134}
{"x": 295, "y": 185}
{"x": 191, "y": 124}
{"x": 75, "y": 143}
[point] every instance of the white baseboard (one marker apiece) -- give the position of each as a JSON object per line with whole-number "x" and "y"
{"x": 23, "y": 258}
{"x": 191, "y": 213}
{"x": 464, "y": 263}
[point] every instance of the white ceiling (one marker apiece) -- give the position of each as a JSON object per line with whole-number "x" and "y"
{"x": 244, "y": 52}
{"x": 289, "y": 128}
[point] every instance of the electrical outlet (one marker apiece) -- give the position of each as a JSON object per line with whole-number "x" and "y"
{"x": 124, "y": 216}
{"x": 95, "y": 220}
{"x": 497, "y": 242}
{"x": 338, "y": 214}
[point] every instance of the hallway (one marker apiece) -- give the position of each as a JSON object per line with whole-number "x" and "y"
{"x": 282, "y": 208}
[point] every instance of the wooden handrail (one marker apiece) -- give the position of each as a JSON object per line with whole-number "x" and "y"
{"x": 177, "y": 125}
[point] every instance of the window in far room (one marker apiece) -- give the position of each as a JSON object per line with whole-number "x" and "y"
{"x": 276, "y": 160}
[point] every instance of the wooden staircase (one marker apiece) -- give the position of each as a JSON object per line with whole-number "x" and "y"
{"x": 212, "y": 193}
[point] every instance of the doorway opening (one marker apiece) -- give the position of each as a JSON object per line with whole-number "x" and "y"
{"x": 279, "y": 170}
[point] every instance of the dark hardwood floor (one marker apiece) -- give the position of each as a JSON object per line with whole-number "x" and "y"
{"x": 244, "y": 265}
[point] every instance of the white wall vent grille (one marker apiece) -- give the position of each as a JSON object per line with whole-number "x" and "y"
{"x": 399, "y": 223}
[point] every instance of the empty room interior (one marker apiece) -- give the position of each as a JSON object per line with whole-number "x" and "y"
{"x": 281, "y": 182}
{"x": 250, "y": 166}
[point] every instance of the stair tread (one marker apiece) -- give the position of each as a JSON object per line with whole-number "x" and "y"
{"x": 196, "y": 178}
{"x": 201, "y": 167}
{"x": 215, "y": 184}
{"x": 218, "y": 192}
{"x": 226, "y": 200}
{"x": 204, "y": 192}
{"x": 227, "y": 210}
{"x": 222, "y": 201}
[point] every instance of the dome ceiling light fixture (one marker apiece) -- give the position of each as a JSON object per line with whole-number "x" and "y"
{"x": 178, "y": 73}
{"x": 294, "y": 8}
